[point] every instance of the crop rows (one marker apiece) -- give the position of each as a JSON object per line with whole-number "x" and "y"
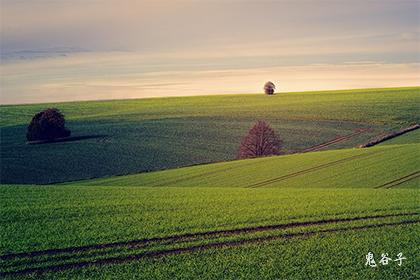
{"x": 336, "y": 140}
{"x": 400, "y": 180}
{"x": 105, "y": 254}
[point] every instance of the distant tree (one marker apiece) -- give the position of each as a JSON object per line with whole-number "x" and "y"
{"x": 260, "y": 141}
{"x": 47, "y": 125}
{"x": 269, "y": 88}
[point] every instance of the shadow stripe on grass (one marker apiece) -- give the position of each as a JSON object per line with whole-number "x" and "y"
{"x": 192, "y": 249}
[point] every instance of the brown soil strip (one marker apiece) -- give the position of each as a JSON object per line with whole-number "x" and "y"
{"x": 182, "y": 237}
{"x": 399, "y": 181}
{"x": 389, "y": 136}
{"x": 192, "y": 249}
{"x": 308, "y": 170}
{"x": 336, "y": 140}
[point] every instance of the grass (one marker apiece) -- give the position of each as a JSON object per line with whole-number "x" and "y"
{"x": 154, "y": 134}
{"x": 323, "y": 256}
{"x": 410, "y": 137}
{"x": 128, "y": 210}
{"x": 298, "y": 216}
{"x": 41, "y": 217}
{"x": 351, "y": 168}
{"x": 51, "y": 217}
{"x": 45, "y": 217}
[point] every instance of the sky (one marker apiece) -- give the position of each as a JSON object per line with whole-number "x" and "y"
{"x": 67, "y": 50}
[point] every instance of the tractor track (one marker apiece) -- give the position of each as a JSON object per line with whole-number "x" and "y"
{"x": 189, "y": 177}
{"x": 170, "y": 240}
{"x": 192, "y": 249}
{"x": 336, "y": 140}
{"x": 310, "y": 149}
{"x": 181, "y": 237}
{"x": 399, "y": 181}
{"x": 308, "y": 170}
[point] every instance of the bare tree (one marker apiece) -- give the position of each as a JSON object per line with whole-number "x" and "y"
{"x": 269, "y": 88}
{"x": 260, "y": 141}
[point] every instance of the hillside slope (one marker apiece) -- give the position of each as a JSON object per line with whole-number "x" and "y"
{"x": 131, "y": 136}
{"x": 376, "y": 167}
{"x": 247, "y": 210}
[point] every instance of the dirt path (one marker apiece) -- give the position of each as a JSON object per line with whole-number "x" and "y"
{"x": 172, "y": 240}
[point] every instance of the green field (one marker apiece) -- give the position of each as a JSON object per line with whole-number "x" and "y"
{"x": 153, "y": 134}
{"x": 339, "y": 255}
{"x": 329, "y": 169}
{"x": 311, "y": 215}
{"x": 52, "y": 217}
{"x": 411, "y": 137}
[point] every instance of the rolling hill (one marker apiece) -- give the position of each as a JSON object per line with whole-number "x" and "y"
{"x": 118, "y": 226}
{"x": 351, "y": 168}
{"x": 315, "y": 213}
{"x": 131, "y": 136}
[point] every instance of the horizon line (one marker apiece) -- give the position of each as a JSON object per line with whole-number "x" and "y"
{"x": 205, "y": 95}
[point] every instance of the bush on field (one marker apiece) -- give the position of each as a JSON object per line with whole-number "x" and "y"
{"x": 47, "y": 125}
{"x": 269, "y": 88}
{"x": 260, "y": 141}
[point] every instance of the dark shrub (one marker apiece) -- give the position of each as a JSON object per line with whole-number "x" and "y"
{"x": 260, "y": 141}
{"x": 47, "y": 125}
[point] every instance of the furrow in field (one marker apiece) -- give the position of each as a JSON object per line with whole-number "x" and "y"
{"x": 192, "y": 249}
{"x": 308, "y": 170}
{"x": 181, "y": 237}
{"x": 399, "y": 181}
{"x": 336, "y": 140}
{"x": 189, "y": 177}
{"x": 388, "y": 136}
{"x": 311, "y": 149}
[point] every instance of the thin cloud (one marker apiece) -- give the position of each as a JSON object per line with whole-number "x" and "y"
{"x": 77, "y": 49}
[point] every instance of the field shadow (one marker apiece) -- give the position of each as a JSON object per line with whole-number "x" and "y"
{"x": 67, "y": 139}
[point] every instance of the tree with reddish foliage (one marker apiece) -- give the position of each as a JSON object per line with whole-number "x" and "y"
{"x": 260, "y": 141}
{"x": 47, "y": 125}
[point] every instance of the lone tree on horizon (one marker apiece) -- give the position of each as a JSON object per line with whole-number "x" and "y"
{"x": 260, "y": 141}
{"x": 269, "y": 88}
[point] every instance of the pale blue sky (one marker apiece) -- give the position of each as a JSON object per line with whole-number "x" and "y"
{"x": 140, "y": 43}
